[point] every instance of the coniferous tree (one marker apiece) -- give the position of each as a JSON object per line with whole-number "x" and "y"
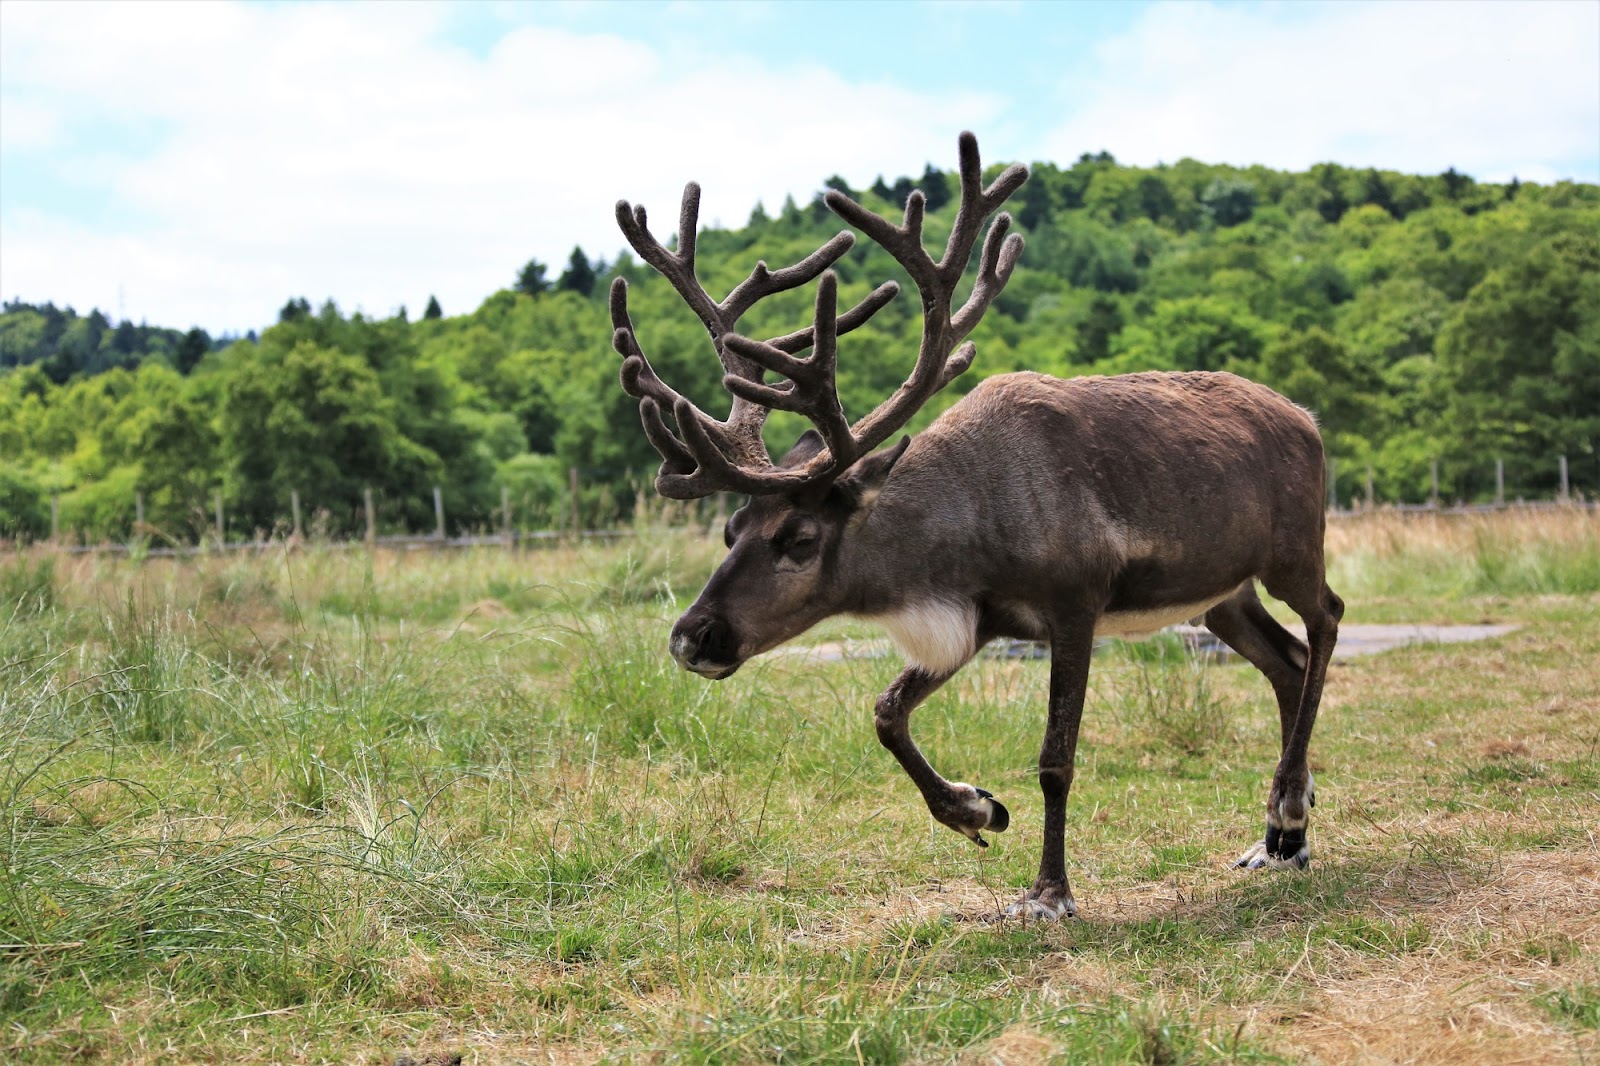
{"x": 433, "y": 309}
{"x": 193, "y": 348}
{"x": 531, "y": 280}
{"x": 579, "y": 276}
{"x": 838, "y": 184}
{"x": 935, "y": 187}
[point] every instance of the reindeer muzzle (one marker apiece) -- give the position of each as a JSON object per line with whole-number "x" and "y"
{"x": 705, "y": 644}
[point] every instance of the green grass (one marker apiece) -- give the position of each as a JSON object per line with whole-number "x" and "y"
{"x": 328, "y": 808}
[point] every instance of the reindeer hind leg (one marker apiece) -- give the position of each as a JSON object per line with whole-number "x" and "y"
{"x": 1293, "y": 791}
{"x": 1245, "y": 626}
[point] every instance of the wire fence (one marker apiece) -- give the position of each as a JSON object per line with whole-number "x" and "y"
{"x": 563, "y": 521}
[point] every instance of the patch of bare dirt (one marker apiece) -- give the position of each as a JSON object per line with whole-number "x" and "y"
{"x": 1469, "y": 996}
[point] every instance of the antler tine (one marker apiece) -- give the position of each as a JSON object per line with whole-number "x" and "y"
{"x": 875, "y": 301}
{"x": 1000, "y": 255}
{"x": 763, "y": 282}
{"x": 676, "y": 267}
{"x": 812, "y": 388}
{"x": 937, "y": 365}
{"x": 639, "y": 380}
{"x": 904, "y": 242}
{"x": 976, "y": 204}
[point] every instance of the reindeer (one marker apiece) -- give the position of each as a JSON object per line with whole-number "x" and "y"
{"x": 1034, "y": 508}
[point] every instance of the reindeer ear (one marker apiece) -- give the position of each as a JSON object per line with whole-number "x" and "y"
{"x": 804, "y": 450}
{"x": 863, "y": 480}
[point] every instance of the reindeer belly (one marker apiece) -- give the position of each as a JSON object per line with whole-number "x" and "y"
{"x": 1137, "y": 624}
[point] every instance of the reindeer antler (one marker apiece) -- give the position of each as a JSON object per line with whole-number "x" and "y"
{"x": 707, "y": 455}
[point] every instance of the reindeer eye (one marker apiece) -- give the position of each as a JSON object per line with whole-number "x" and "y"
{"x": 798, "y": 541}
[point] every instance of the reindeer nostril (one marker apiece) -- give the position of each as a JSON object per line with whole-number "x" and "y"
{"x": 703, "y": 639}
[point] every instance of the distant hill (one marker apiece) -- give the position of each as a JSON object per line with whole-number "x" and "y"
{"x": 1423, "y": 318}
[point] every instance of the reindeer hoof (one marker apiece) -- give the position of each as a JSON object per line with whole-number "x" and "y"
{"x": 974, "y": 809}
{"x": 1049, "y": 905}
{"x": 1261, "y": 857}
{"x": 999, "y": 817}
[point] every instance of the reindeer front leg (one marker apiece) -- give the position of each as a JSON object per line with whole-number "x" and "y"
{"x": 963, "y": 807}
{"x": 1071, "y": 644}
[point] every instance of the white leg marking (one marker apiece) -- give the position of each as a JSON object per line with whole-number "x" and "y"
{"x": 1257, "y": 857}
{"x": 1038, "y": 910}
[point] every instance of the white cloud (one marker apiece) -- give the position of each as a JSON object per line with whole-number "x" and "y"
{"x": 262, "y": 152}
{"x": 1491, "y": 89}
{"x": 346, "y": 151}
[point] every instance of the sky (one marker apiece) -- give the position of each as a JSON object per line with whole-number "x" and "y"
{"x": 200, "y": 163}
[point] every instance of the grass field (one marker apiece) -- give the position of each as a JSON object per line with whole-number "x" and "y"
{"x": 325, "y": 807}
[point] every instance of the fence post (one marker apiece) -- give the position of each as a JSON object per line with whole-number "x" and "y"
{"x": 1433, "y": 493}
{"x": 1499, "y": 482}
{"x": 1370, "y": 501}
{"x": 438, "y": 513}
{"x": 372, "y": 518}
{"x": 1565, "y": 493}
{"x": 222, "y": 536}
{"x": 138, "y": 512}
{"x": 577, "y": 525}
{"x": 55, "y": 517}
{"x": 1333, "y": 484}
{"x": 505, "y": 515}
{"x": 294, "y": 508}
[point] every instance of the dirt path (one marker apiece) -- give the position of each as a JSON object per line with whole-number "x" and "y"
{"x": 1354, "y": 640}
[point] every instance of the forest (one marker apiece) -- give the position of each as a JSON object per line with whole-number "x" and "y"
{"x": 1431, "y": 323}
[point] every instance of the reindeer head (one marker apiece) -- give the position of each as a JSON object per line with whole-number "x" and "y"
{"x": 778, "y": 579}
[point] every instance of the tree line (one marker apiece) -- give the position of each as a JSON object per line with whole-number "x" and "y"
{"x": 1425, "y": 319}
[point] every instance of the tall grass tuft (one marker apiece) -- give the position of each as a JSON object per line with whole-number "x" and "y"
{"x": 1166, "y": 695}
{"x": 27, "y": 584}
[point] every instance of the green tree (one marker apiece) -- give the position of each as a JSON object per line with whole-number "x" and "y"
{"x": 935, "y": 187}
{"x": 531, "y": 280}
{"x": 579, "y": 276}
{"x": 193, "y": 348}
{"x": 1229, "y": 201}
{"x": 179, "y": 467}
{"x": 295, "y": 309}
{"x": 1521, "y": 359}
{"x": 314, "y": 420}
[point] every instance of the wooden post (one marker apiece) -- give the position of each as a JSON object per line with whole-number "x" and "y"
{"x": 1499, "y": 482}
{"x": 577, "y": 524}
{"x": 372, "y": 518}
{"x": 55, "y": 517}
{"x": 294, "y": 508}
{"x": 138, "y": 513}
{"x": 505, "y": 515}
{"x": 222, "y": 535}
{"x": 1565, "y": 489}
{"x": 1333, "y": 485}
{"x": 438, "y": 513}
{"x": 1433, "y": 493}
{"x": 1370, "y": 500}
